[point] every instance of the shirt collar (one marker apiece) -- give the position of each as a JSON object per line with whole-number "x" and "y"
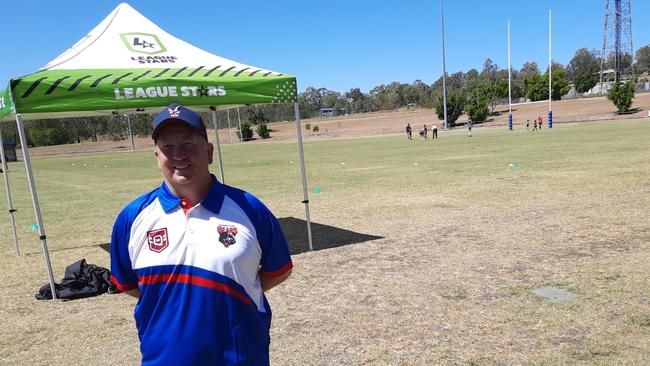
{"x": 212, "y": 201}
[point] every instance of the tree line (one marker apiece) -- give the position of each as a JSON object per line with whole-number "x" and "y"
{"x": 474, "y": 92}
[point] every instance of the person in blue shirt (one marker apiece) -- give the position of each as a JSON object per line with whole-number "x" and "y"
{"x": 199, "y": 256}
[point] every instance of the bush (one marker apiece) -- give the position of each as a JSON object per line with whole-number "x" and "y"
{"x": 46, "y": 136}
{"x": 316, "y": 129}
{"x": 621, "y": 95}
{"x": 477, "y": 108}
{"x": 263, "y": 131}
{"x": 246, "y": 133}
{"x": 307, "y": 126}
{"x": 455, "y": 104}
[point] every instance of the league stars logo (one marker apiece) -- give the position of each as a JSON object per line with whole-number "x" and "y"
{"x": 227, "y": 234}
{"x": 143, "y": 43}
{"x": 203, "y": 91}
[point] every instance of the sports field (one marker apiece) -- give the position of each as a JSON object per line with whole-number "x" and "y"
{"x": 467, "y": 228}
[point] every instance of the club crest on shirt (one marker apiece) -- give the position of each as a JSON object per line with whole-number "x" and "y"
{"x": 157, "y": 240}
{"x": 227, "y": 234}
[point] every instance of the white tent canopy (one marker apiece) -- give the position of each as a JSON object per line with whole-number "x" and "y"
{"x": 127, "y": 64}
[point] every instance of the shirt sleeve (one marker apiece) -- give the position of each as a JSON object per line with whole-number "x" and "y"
{"x": 276, "y": 258}
{"x": 122, "y": 273}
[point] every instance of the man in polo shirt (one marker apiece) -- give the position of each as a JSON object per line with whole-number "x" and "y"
{"x": 199, "y": 255}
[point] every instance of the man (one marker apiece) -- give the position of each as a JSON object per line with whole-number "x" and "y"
{"x": 199, "y": 255}
{"x": 434, "y": 132}
{"x": 409, "y": 131}
{"x": 469, "y": 127}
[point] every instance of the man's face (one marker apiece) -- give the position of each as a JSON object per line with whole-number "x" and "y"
{"x": 183, "y": 156}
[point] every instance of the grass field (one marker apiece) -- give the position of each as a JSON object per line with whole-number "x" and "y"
{"x": 465, "y": 237}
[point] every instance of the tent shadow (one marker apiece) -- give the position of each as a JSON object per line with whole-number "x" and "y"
{"x": 323, "y": 236}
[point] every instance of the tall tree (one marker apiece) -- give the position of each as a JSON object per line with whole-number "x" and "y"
{"x": 643, "y": 59}
{"x": 489, "y": 72}
{"x": 584, "y": 62}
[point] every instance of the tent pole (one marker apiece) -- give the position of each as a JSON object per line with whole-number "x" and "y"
{"x": 37, "y": 207}
{"x": 128, "y": 121}
{"x": 229, "y": 130}
{"x": 216, "y": 131}
{"x": 239, "y": 123}
{"x": 301, "y": 150}
{"x": 9, "y": 204}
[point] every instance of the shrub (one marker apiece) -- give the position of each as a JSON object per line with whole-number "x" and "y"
{"x": 263, "y": 131}
{"x": 246, "y": 133}
{"x": 316, "y": 129}
{"x": 46, "y": 136}
{"x": 621, "y": 95}
{"x": 307, "y": 126}
{"x": 455, "y": 104}
{"x": 477, "y": 108}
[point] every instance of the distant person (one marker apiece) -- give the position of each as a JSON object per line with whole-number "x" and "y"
{"x": 434, "y": 132}
{"x": 469, "y": 127}
{"x": 528, "y": 124}
{"x": 425, "y": 131}
{"x": 409, "y": 131}
{"x": 534, "y": 125}
{"x": 540, "y": 123}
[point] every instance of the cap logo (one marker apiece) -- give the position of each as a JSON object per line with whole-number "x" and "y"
{"x": 175, "y": 112}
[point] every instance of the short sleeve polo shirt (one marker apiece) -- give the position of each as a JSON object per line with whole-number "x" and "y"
{"x": 201, "y": 302}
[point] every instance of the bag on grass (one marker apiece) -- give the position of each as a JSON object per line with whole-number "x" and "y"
{"x": 80, "y": 280}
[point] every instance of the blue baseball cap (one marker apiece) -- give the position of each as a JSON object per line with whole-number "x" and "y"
{"x": 178, "y": 113}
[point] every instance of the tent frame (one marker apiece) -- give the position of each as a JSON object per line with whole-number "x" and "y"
{"x": 37, "y": 207}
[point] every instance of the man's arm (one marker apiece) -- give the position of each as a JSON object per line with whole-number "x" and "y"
{"x": 268, "y": 282}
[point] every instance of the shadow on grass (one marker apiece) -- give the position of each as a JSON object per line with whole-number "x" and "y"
{"x": 323, "y": 236}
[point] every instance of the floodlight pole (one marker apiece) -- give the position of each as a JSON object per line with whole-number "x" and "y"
{"x": 444, "y": 66}
{"x": 509, "y": 83}
{"x": 304, "y": 174}
{"x": 9, "y": 204}
{"x": 213, "y": 109}
{"x": 128, "y": 121}
{"x": 37, "y": 207}
{"x": 550, "y": 72}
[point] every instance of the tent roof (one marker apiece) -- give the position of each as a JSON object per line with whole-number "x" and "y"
{"x": 128, "y": 64}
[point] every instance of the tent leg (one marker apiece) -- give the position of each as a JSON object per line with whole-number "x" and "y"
{"x": 239, "y": 124}
{"x": 37, "y": 207}
{"x": 128, "y": 121}
{"x": 216, "y": 131}
{"x": 9, "y": 203}
{"x": 304, "y": 174}
{"x": 229, "y": 130}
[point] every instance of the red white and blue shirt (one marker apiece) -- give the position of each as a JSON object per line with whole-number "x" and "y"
{"x": 197, "y": 269}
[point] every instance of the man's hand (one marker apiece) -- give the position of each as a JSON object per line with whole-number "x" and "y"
{"x": 133, "y": 292}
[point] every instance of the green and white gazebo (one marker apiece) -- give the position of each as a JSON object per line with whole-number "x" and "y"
{"x": 127, "y": 64}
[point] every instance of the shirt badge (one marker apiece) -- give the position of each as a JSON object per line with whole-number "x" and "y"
{"x": 157, "y": 240}
{"x": 227, "y": 234}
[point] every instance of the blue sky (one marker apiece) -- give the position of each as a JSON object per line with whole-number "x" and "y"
{"x": 333, "y": 44}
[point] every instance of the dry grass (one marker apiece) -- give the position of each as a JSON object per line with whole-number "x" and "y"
{"x": 465, "y": 239}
